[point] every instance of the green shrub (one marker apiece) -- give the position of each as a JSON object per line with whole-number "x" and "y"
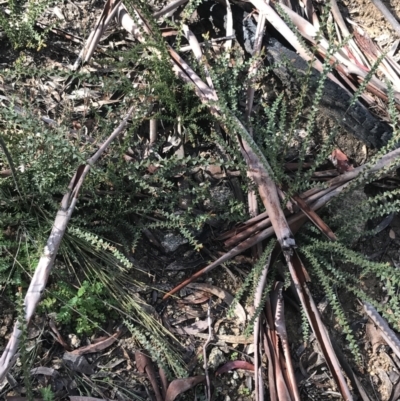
{"x": 19, "y": 24}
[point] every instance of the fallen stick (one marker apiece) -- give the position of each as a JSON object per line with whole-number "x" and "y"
{"x": 345, "y": 180}
{"x": 258, "y": 167}
{"x": 46, "y": 261}
{"x": 259, "y": 171}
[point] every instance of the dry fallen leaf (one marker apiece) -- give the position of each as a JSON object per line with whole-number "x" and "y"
{"x": 198, "y": 297}
{"x": 179, "y": 386}
{"x": 78, "y": 363}
{"x": 145, "y": 365}
{"x": 232, "y": 365}
{"x": 341, "y": 161}
{"x": 193, "y": 328}
{"x": 98, "y": 345}
{"x": 224, "y": 295}
{"x": 42, "y": 370}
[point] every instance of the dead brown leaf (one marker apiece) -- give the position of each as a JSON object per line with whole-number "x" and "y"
{"x": 145, "y": 365}
{"x": 179, "y": 386}
{"x": 224, "y": 295}
{"x": 232, "y": 365}
{"x": 198, "y": 297}
{"x": 341, "y": 161}
{"x": 97, "y": 346}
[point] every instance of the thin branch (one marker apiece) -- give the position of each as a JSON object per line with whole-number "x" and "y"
{"x": 258, "y": 166}
{"x": 11, "y": 163}
{"x": 46, "y": 261}
{"x": 386, "y": 332}
{"x": 170, "y": 7}
{"x": 257, "y": 329}
{"x": 297, "y": 274}
{"x": 229, "y": 25}
{"x": 210, "y": 336}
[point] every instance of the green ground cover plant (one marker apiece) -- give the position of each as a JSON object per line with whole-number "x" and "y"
{"x": 138, "y": 186}
{"x": 19, "y": 23}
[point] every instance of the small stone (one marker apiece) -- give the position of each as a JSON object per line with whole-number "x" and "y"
{"x": 220, "y": 197}
{"x": 216, "y": 358}
{"x": 171, "y": 242}
{"x": 74, "y": 341}
{"x": 77, "y": 363}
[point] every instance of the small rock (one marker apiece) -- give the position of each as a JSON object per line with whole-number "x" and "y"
{"x": 74, "y": 341}
{"x": 393, "y": 376}
{"x": 216, "y": 358}
{"x": 77, "y": 363}
{"x": 171, "y": 242}
{"x": 296, "y": 142}
{"x": 220, "y": 197}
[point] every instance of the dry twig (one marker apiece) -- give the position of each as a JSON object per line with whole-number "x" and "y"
{"x": 46, "y": 261}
